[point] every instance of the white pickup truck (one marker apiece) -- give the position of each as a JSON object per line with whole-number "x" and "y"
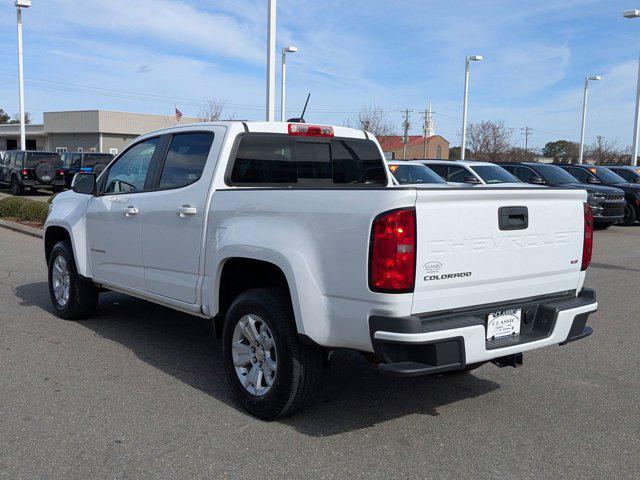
{"x": 294, "y": 241}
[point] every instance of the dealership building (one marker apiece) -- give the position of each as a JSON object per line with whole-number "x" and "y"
{"x": 86, "y": 131}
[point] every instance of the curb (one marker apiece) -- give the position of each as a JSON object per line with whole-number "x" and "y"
{"x": 17, "y": 227}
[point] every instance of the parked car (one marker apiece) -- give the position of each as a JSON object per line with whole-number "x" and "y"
{"x": 607, "y": 203}
{"x": 293, "y": 240}
{"x": 630, "y": 173}
{"x": 31, "y": 169}
{"x": 414, "y": 173}
{"x": 470, "y": 172}
{"x": 76, "y": 162}
{"x": 596, "y": 175}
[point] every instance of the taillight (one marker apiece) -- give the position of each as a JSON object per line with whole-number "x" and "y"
{"x": 587, "y": 244}
{"x": 24, "y": 172}
{"x": 392, "y": 255}
{"x": 304, "y": 130}
{"x": 60, "y": 172}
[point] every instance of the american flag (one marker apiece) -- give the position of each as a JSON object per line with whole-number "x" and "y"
{"x": 178, "y": 114}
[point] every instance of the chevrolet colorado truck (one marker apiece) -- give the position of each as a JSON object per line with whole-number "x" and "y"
{"x": 294, "y": 241}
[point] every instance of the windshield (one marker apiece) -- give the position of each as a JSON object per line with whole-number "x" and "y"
{"x": 34, "y": 159}
{"x": 554, "y": 174}
{"x": 606, "y": 176}
{"x": 409, "y": 174}
{"x": 494, "y": 174}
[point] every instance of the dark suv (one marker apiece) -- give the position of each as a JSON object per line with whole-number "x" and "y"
{"x": 597, "y": 175}
{"x": 30, "y": 169}
{"x": 77, "y": 162}
{"x": 607, "y": 203}
{"x": 629, "y": 173}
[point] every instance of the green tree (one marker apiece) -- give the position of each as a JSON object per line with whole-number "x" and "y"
{"x": 4, "y": 116}
{"x": 562, "y": 151}
{"x": 454, "y": 153}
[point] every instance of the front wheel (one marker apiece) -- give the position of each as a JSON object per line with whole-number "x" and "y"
{"x": 16, "y": 188}
{"x": 71, "y": 296}
{"x": 270, "y": 372}
{"x": 629, "y": 214}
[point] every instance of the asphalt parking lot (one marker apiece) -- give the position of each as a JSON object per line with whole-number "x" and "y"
{"x": 138, "y": 392}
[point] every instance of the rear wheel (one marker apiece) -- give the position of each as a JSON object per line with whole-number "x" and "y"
{"x": 71, "y": 296}
{"x": 16, "y": 188}
{"x": 629, "y": 214}
{"x": 270, "y": 372}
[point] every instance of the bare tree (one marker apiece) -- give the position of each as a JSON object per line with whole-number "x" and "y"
{"x": 517, "y": 154}
{"x": 603, "y": 150}
{"x": 214, "y": 110}
{"x": 489, "y": 140}
{"x": 373, "y": 119}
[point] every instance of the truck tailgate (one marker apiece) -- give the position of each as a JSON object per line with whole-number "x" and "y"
{"x": 466, "y": 258}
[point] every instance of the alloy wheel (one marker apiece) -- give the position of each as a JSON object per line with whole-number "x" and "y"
{"x": 253, "y": 349}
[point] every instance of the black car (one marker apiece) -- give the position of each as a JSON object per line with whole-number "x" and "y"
{"x": 629, "y": 173}
{"x": 76, "y": 162}
{"x": 31, "y": 169}
{"x": 598, "y": 175}
{"x": 608, "y": 203}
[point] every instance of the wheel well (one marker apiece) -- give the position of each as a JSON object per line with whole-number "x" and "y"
{"x": 242, "y": 274}
{"x": 52, "y": 236}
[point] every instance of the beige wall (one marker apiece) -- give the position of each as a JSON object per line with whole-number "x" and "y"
{"x": 417, "y": 151}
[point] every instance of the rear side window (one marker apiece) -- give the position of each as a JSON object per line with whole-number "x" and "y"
{"x": 458, "y": 174}
{"x": 93, "y": 160}
{"x": 283, "y": 160}
{"x": 185, "y": 160}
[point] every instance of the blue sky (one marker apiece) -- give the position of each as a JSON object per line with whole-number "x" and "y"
{"x": 146, "y": 55}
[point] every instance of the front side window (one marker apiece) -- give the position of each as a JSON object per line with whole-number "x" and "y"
{"x": 458, "y": 175}
{"x": 129, "y": 173}
{"x": 281, "y": 159}
{"x": 579, "y": 173}
{"x": 185, "y": 159}
{"x": 605, "y": 175}
{"x": 492, "y": 174}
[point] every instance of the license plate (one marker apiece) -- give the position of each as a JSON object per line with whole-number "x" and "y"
{"x": 503, "y": 323}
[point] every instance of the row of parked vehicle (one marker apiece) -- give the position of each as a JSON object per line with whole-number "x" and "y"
{"x": 613, "y": 190}
{"x": 25, "y": 170}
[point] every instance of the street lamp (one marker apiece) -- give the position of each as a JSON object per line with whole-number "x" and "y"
{"x": 271, "y": 60}
{"x": 584, "y": 111}
{"x": 20, "y": 4}
{"x": 634, "y": 150}
{"x": 472, "y": 58}
{"x": 284, "y": 79}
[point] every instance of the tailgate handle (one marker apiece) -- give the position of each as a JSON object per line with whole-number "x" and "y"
{"x": 513, "y": 218}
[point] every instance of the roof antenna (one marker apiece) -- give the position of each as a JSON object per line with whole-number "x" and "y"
{"x": 301, "y": 119}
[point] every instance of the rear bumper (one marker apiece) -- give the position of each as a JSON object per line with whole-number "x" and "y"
{"x": 421, "y": 345}
{"x": 35, "y": 184}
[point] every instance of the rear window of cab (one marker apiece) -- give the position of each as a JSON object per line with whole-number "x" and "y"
{"x": 282, "y": 160}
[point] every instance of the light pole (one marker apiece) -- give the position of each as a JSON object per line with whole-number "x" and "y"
{"x": 271, "y": 60}
{"x": 20, "y": 4}
{"x": 584, "y": 112}
{"x": 283, "y": 86}
{"x": 471, "y": 58}
{"x": 636, "y": 124}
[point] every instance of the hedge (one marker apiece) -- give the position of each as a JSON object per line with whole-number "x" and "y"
{"x": 34, "y": 211}
{"x": 10, "y": 206}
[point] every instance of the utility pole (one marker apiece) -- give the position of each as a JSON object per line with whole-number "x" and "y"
{"x": 424, "y": 129}
{"x": 405, "y": 138}
{"x": 428, "y": 130}
{"x": 528, "y": 131}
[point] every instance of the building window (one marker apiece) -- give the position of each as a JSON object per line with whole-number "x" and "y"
{"x": 61, "y": 149}
{"x": 113, "y": 151}
{"x": 80, "y": 149}
{"x": 439, "y": 152}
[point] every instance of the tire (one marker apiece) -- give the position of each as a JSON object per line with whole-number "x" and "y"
{"x": 298, "y": 367}
{"x": 630, "y": 215}
{"x": 16, "y": 188}
{"x": 81, "y": 295}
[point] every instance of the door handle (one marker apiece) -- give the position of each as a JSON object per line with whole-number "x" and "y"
{"x": 130, "y": 211}
{"x": 187, "y": 211}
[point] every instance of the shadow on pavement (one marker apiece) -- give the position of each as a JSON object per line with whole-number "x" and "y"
{"x": 353, "y": 396}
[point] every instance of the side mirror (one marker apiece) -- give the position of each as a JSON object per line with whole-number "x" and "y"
{"x": 538, "y": 180}
{"x": 593, "y": 180}
{"x": 84, "y": 183}
{"x": 471, "y": 179}
{"x": 636, "y": 180}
